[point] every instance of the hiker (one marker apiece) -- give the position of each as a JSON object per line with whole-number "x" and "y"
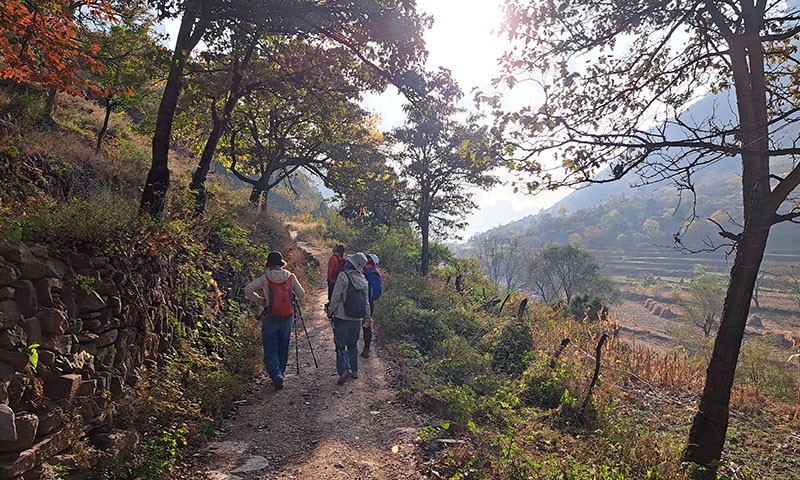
{"x": 375, "y": 280}
{"x": 349, "y": 305}
{"x": 335, "y": 266}
{"x": 275, "y": 292}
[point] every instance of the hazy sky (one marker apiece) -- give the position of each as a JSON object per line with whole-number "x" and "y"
{"x": 464, "y": 40}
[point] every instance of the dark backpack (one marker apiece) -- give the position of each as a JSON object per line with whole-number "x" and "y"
{"x": 355, "y": 302}
{"x": 374, "y": 280}
{"x": 280, "y": 298}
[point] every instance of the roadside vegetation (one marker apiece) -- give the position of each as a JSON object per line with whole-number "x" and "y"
{"x": 514, "y": 403}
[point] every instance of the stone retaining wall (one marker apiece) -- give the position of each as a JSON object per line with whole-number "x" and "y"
{"x": 96, "y": 319}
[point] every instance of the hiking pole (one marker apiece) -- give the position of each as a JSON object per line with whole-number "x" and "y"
{"x": 341, "y": 355}
{"x": 308, "y": 338}
{"x": 296, "y": 351}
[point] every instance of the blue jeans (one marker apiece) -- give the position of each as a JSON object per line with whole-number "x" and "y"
{"x": 346, "y": 334}
{"x": 275, "y": 335}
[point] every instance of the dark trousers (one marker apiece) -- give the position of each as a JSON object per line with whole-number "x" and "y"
{"x": 368, "y": 330}
{"x": 330, "y": 289}
{"x": 345, "y": 336}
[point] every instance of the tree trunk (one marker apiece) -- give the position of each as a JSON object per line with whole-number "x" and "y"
{"x": 710, "y": 424}
{"x": 707, "y": 435}
{"x": 198, "y": 183}
{"x": 50, "y": 105}
{"x": 104, "y": 128}
{"x": 255, "y": 195}
{"x": 424, "y": 229}
{"x": 157, "y": 183}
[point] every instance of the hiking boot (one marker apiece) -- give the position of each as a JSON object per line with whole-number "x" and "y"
{"x": 343, "y": 377}
{"x": 277, "y": 385}
{"x": 365, "y": 353}
{"x": 354, "y": 375}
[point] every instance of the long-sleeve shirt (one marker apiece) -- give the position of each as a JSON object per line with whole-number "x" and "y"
{"x": 335, "y": 265}
{"x": 258, "y": 289}
{"x": 340, "y": 291}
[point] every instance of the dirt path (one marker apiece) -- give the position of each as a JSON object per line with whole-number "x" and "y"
{"x": 313, "y": 428}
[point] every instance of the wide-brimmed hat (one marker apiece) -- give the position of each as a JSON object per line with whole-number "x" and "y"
{"x": 374, "y": 258}
{"x": 275, "y": 259}
{"x": 358, "y": 260}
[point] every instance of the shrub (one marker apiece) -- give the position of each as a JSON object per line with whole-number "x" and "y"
{"x": 512, "y": 352}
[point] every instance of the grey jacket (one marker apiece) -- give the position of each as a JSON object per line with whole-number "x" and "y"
{"x": 340, "y": 291}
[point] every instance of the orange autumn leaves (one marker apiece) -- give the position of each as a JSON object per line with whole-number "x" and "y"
{"x": 39, "y": 43}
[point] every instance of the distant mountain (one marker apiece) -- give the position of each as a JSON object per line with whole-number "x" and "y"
{"x": 613, "y": 217}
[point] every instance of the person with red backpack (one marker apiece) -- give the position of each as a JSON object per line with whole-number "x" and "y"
{"x": 275, "y": 291}
{"x": 375, "y": 280}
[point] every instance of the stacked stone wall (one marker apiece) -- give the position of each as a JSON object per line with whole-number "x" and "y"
{"x": 96, "y": 319}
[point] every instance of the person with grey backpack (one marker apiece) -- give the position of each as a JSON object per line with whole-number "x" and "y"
{"x": 348, "y": 307}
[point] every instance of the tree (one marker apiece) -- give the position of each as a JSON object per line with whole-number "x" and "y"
{"x": 704, "y": 303}
{"x": 386, "y": 35}
{"x": 39, "y": 43}
{"x": 440, "y": 157}
{"x": 617, "y": 80}
{"x": 132, "y": 56}
{"x": 559, "y": 272}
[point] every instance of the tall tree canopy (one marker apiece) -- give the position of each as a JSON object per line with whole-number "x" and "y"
{"x": 440, "y": 157}
{"x": 386, "y": 35}
{"x": 616, "y": 79}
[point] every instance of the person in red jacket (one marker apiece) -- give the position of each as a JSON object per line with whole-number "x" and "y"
{"x": 335, "y": 266}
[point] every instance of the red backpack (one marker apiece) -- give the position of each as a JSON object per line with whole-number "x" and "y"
{"x": 280, "y": 298}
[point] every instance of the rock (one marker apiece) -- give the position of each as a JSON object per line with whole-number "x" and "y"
{"x": 15, "y": 252}
{"x": 60, "y": 387}
{"x": 26, "y": 425}
{"x": 107, "y": 338}
{"x": 6, "y": 372}
{"x": 755, "y": 322}
{"x": 253, "y": 464}
{"x": 37, "y": 269}
{"x": 87, "y": 388}
{"x": 90, "y": 302}
{"x": 17, "y": 387}
{"x": 39, "y": 250}
{"x": 6, "y": 293}
{"x": 8, "y": 275}
{"x": 8, "y": 340}
{"x": 44, "y": 290}
{"x": 115, "y": 387}
{"x": 74, "y": 325}
{"x": 53, "y": 321}
{"x": 8, "y": 430}
{"x": 26, "y": 297}
{"x": 60, "y": 344}
{"x": 10, "y": 315}
{"x": 215, "y": 475}
{"x": 92, "y": 325}
{"x": 87, "y": 337}
{"x": 12, "y": 465}
{"x": 16, "y": 359}
{"x": 33, "y": 329}
{"x": 47, "y": 358}
{"x": 115, "y": 304}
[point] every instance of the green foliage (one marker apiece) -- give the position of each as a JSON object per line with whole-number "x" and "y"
{"x": 588, "y": 306}
{"x": 514, "y": 349}
{"x": 543, "y": 387}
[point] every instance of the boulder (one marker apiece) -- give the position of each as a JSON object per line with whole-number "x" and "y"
{"x": 37, "y": 269}
{"x": 74, "y": 325}
{"x": 26, "y": 297}
{"x": 6, "y": 293}
{"x": 107, "y": 338}
{"x": 90, "y": 302}
{"x": 26, "y": 425}
{"x": 15, "y": 252}
{"x": 59, "y": 344}
{"x": 10, "y": 315}
{"x": 33, "y": 329}
{"x": 53, "y": 321}
{"x": 39, "y": 250}
{"x": 18, "y": 360}
{"x": 8, "y": 430}
{"x": 8, "y": 275}
{"x": 13, "y": 465}
{"x": 47, "y": 358}
{"x": 8, "y": 340}
{"x": 44, "y": 290}
{"x": 60, "y": 387}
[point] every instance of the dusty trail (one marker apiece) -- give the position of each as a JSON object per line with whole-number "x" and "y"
{"x": 313, "y": 428}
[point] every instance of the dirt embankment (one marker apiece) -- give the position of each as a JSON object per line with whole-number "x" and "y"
{"x": 314, "y": 428}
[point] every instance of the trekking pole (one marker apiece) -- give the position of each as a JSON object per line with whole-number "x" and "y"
{"x": 341, "y": 355}
{"x": 308, "y": 338}
{"x": 296, "y": 350}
